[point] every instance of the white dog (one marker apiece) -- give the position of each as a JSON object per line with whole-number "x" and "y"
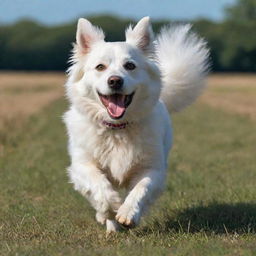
{"x": 118, "y": 124}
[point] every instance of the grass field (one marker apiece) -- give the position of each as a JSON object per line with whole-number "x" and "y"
{"x": 208, "y": 208}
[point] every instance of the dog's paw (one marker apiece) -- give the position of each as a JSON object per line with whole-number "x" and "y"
{"x": 128, "y": 216}
{"x": 101, "y": 218}
{"x": 112, "y": 227}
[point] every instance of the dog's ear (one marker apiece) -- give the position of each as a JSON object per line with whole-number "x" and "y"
{"x": 87, "y": 35}
{"x": 141, "y": 35}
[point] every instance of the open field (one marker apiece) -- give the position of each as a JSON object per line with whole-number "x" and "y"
{"x": 24, "y": 94}
{"x": 232, "y": 93}
{"x": 209, "y": 205}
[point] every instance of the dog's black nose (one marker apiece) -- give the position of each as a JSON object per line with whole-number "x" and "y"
{"x": 115, "y": 82}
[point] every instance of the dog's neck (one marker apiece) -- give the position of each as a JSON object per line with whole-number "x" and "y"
{"x": 115, "y": 126}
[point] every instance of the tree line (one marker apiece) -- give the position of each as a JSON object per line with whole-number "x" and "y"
{"x": 28, "y": 45}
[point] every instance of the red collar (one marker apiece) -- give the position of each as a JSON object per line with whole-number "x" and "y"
{"x": 115, "y": 126}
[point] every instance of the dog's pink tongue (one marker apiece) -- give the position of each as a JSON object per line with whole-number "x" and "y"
{"x": 116, "y": 105}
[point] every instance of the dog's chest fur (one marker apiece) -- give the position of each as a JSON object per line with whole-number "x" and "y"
{"x": 118, "y": 152}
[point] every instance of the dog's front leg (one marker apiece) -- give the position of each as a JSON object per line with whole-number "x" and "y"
{"x": 144, "y": 190}
{"x": 94, "y": 185}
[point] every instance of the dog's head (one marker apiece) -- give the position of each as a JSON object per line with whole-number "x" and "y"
{"x": 115, "y": 80}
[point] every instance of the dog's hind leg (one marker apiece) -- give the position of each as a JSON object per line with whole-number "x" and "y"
{"x": 144, "y": 190}
{"x": 112, "y": 226}
{"x": 101, "y": 218}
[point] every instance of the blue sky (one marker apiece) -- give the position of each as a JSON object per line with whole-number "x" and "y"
{"x": 53, "y": 12}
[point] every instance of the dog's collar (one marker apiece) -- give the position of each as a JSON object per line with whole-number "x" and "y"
{"x": 115, "y": 126}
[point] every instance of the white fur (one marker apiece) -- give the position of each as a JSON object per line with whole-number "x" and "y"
{"x": 183, "y": 60}
{"x": 135, "y": 158}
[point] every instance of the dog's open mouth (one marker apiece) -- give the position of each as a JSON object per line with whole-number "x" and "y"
{"x": 116, "y": 104}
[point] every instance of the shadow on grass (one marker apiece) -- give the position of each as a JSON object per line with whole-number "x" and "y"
{"x": 215, "y": 218}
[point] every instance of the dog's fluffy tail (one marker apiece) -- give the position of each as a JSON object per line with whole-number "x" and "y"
{"x": 183, "y": 61}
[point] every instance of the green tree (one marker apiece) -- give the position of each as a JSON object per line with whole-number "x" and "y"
{"x": 244, "y": 11}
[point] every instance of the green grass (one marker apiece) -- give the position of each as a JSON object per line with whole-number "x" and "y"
{"x": 208, "y": 208}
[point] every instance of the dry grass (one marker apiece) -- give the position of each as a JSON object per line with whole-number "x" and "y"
{"x": 233, "y": 93}
{"x": 23, "y": 94}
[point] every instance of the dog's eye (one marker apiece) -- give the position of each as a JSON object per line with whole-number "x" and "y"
{"x": 129, "y": 66}
{"x": 101, "y": 67}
